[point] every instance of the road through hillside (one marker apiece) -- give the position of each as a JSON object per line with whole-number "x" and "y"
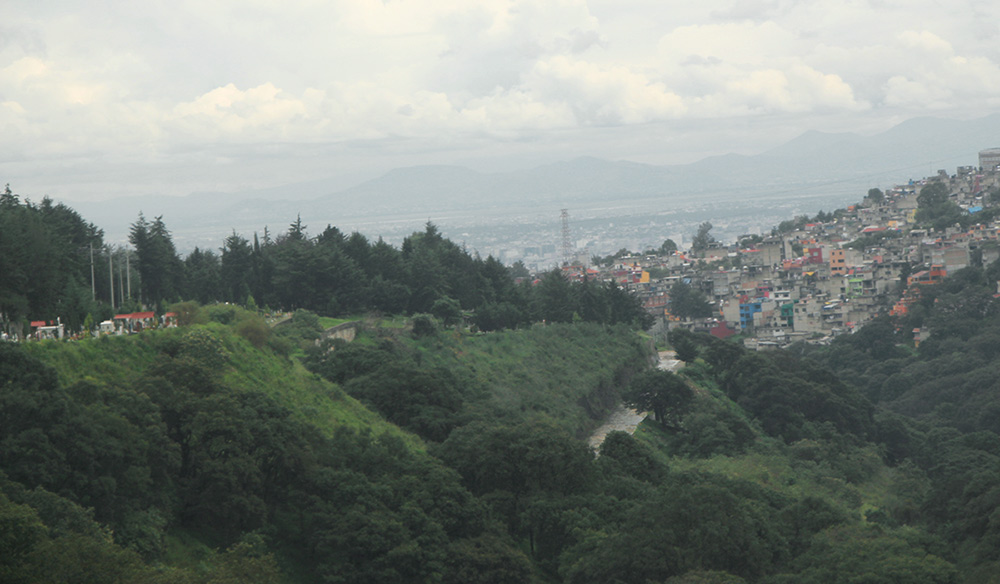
{"x": 624, "y": 418}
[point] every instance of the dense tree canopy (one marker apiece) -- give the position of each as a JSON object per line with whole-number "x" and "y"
{"x": 159, "y": 267}
{"x": 663, "y": 392}
{"x": 178, "y": 448}
{"x": 46, "y": 267}
{"x": 870, "y": 460}
{"x": 686, "y": 302}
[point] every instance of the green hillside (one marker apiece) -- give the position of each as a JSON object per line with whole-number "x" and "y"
{"x": 568, "y": 374}
{"x": 120, "y": 361}
{"x": 447, "y": 443}
{"x": 192, "y": 454}
{"x": 165, "y": 446}
{"x": 165, "y": 449}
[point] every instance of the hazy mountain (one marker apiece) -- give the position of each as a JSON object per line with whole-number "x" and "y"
{"x": 832, "y": 166}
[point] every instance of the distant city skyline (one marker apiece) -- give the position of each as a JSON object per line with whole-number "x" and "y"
{"x": 173, "y": 98}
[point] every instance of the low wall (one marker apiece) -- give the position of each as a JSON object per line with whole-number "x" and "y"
{"x": 346, "y": 331}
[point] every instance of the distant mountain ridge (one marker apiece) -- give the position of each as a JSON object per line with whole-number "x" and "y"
{"x": 807, "y": 164}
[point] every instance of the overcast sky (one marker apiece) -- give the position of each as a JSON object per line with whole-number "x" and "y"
{"x": 104, "y": 98}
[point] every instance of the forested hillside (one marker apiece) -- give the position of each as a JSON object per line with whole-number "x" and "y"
{"x": 45, "y": 262}
{"x": 55, "y": 265}
{"x": 174, "y": 459}
{"x": 430, "y": 450}
{"x": 152, "y": 451}
{"x": 939, "y": 410}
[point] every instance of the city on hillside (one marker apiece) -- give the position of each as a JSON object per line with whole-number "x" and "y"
{"x": 813, "y": 278}
{"x": 809, "y": 279}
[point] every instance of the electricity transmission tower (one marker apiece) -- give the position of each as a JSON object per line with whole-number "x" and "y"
{"x": 567, "y": 245}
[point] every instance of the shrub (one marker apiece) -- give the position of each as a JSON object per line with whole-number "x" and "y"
{"x": 204, "y": 347}
{"x": 424, "y": 325}
{"x": 189, "y": 313}
{"x": 253, "y": 329}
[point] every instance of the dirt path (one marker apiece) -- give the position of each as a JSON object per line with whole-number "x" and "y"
{"x": 624, "y": 418}
{"x": 669, "y": 361}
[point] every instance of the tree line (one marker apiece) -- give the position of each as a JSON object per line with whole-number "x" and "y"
{"x": 333, "y": 273}
{"x": 45, "y": 264}
{"x": 48, "y": 272}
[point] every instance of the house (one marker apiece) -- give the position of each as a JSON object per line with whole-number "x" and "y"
{"x": 51, "y": 329}
{"x": 134, "y": 322}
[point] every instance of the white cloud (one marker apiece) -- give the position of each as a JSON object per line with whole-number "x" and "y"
{"x": 747, "y": 43}
{"x": 924, "y": 41}
{"x": 259, "y": 113}
{"x": 743, "y": 68}
{"x": 151, "y": 79}
{"x": 603, "y": 95}
{"x": 938, "y": 78}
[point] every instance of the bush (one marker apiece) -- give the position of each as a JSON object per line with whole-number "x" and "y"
{"x": 424, "y": 325}
{"x": 253, "y": 329}
{"x": 448, "y": 310}
{"x": 189, "y": 313}
{"x": 684, "y": 344}
{"x": 205, "y": 348}
{"x": 223, "y": 313}
{"x": 280, "y": 345}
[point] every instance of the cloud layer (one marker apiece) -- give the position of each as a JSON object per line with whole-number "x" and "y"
{"x": 145, "y": 82}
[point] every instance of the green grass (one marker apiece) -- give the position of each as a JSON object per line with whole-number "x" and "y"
{"x": 330, "y": 322}
{"x": 118, "y": 361}
{"x": 769, "y": 465}
{"x": 569, "y": 373}
{"x": 393, "y": 322}
{"x": 110, "y": 359}
{"x": 772, "y": 464}
{"x": 386, "y": 322}
{"x": 185, "y": 550}
{"x": 318, "y": 401}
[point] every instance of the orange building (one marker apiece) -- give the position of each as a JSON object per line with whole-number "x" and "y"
{"x": 838, "y": 262}
{"x": 927, "y": 277}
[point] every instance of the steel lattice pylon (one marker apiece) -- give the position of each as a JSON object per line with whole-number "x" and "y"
{"x": 567, "y": 245}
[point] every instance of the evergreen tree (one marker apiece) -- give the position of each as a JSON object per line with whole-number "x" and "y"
{"x": 686, "y": 302}
{"x": 237, "y": 268}
{"x": 203, "y": 275}
{"x": 702, "y": 239}
{"x": 159, "y": 267}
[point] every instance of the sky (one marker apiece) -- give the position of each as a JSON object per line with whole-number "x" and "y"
{"x": 101, "y": 99}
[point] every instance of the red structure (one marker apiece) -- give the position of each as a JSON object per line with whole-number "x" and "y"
{"x": 135, "y": 321}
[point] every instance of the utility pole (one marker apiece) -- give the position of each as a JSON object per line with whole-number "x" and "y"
{"x": 128, "y": 272}
{"x": 121, "y": 285}
{"x": 111, "y": 278}
{"x": 93, "y": 287}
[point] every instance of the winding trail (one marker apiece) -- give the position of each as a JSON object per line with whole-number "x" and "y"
{"x": 624, "y": 418}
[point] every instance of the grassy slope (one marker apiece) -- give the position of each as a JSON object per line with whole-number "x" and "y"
{"x": 552, "y": 370}
{"x": 773, "y": 465}
{"x": 570, "y": 373}
{"x": 524, "y": 371}
{"x": 117, "y": 360}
